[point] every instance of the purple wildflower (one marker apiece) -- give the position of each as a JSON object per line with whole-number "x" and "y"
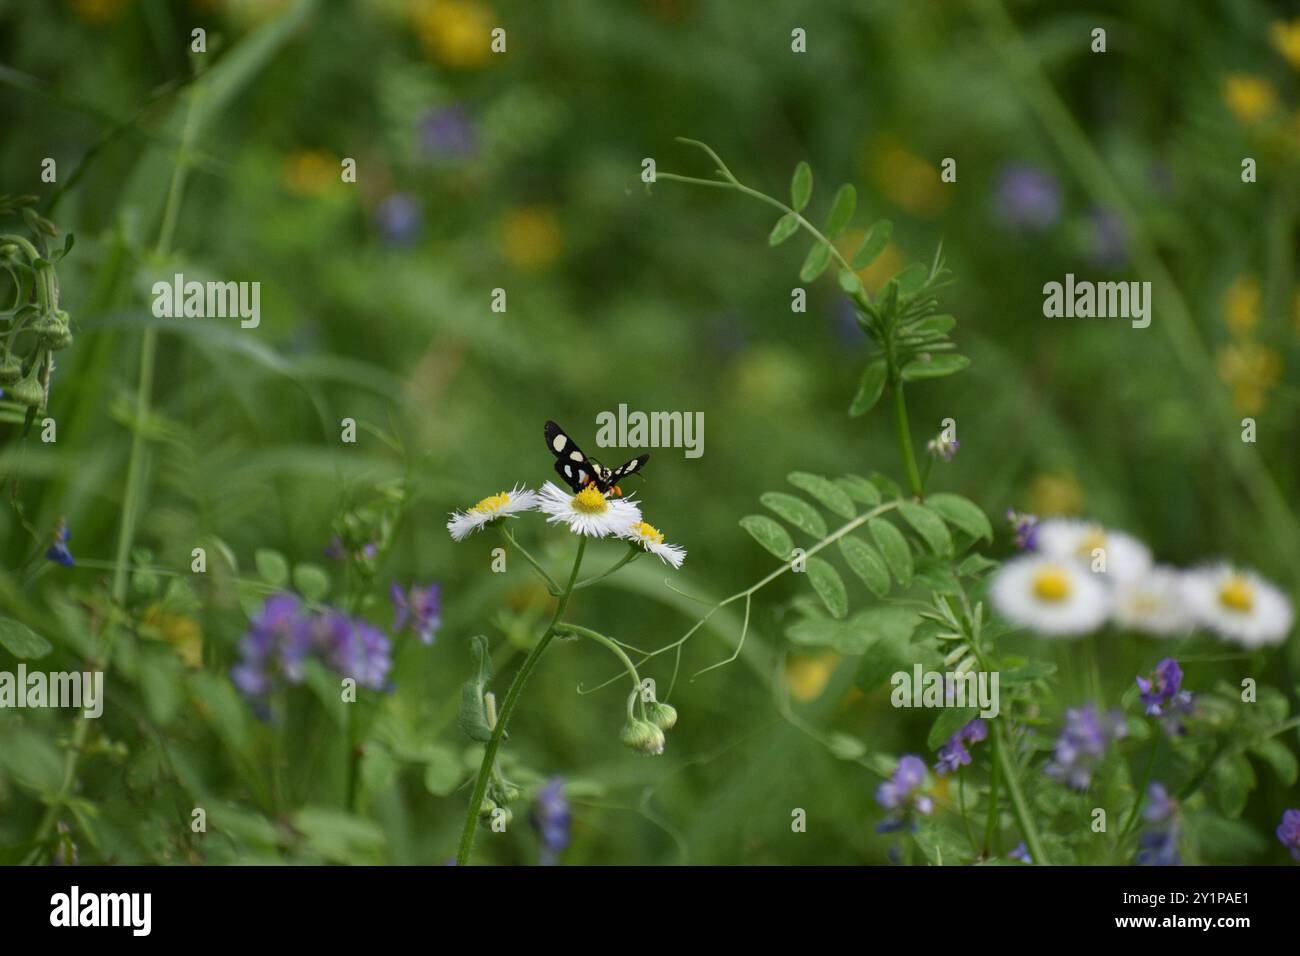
{"x": 398, "y": 218}
{"x": 1163, "y": 694}
{"x": 1083, "y": 743}
{"x": 357, "y": 649}
{"x": 1025, "y": 527}
{"x": 420, "y": 607}
{"x": 1021, "y": 853}
{"x": 900, "y": 794}
{"x": 1288, "y": 831}
{"x": 942, "y": 448}
{"x": 954, "y": 754}
{"x": 446, "y": 132}
{"x": 276, "y": 644}
{"x": 1027, "y": 197}
{"x": 1158, "y": 843}
{"x": 551, "y": 818}
{"x": 58, "y": 551}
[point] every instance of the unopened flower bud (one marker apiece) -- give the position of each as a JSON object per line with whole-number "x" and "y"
{"x": 643, "y": 736}
{"x": 486, "y": 807}
{"x": 663, "y": 716}
{"x": 28, "y": 391}
{"x": 11, "y": 369}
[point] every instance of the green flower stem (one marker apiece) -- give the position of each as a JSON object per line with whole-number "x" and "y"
{"x": 134, "y": 470}
{"x": 607, "y": 642}
{"x": 904, "y": 430}
{"x": 1141, "y": 790}
{"x": 995, "y": 775}
{"x": 633, "y": 552}
{"x": 551, "y": 585}
{"x": 1018, "y": 804}
{"x": 507, "y": 708}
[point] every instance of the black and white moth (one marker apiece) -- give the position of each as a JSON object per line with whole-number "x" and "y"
{"x": 579, "y": 471}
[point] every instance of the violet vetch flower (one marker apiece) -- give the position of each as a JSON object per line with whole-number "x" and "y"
{"x": 901, "y": 795}
{"x": 1083, "y": 743}
{"x": 1025, "y": 527}
{"x": 1163, "y": 694}
{"x": 551, "y": 818}
{"x": 1158, "y": 843}
{"x": 420, "y": 608}
{"x": 284, "y": 635}
{"x": 58, "y": 551}
{"x": 1021, "y": 853}
{"x": 446, "y": 132}
{"x": 954, "y": 754}
{"x": 398, "y": 218}
{"x": 941, "y": 448}
{"x": 1027, "y": 197}
{"x": 1288, "y": 831}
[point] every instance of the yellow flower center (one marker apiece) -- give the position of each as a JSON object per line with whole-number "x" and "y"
{"x": 492, "y": 503}
{"x": 648, "y": 532}
{"x": 590, "y": 501}
{"x": 1237, "y": 594}
{"x": 1052, "y": 584}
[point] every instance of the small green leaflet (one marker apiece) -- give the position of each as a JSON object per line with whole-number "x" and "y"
{"x": 933, "y": 366}
{"x": 928, "y": 525}
{"x": 785, "y": 227}
{"x": 819, "y": 256}
{"x": 877, "y": 238}
{"x": 801, "y": 186}
{"x": 796, "y": 511}
{"x": 866, "y": 563}
{"x": 21, "y": 641}
{"x": 829, "y": 586}
{"x": 894, "y": 547}
{"x": 824, "y": 491}
{"x": 962, "y": 514}
{"x": 846, "y": 201}
{"x": 869, "y": 390}
{"x": 769, "y": 534}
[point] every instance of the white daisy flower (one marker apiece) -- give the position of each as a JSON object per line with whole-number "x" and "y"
{"x": 1152, "y": 603}
{"x": 652, "y": 539}
{"x": 1239, "y": 604}
{"x": 503, "y": 505}
{"x": 1125, "y": 556}
{"x": 588, "y": 512}
{"x": 1055, "y": 597}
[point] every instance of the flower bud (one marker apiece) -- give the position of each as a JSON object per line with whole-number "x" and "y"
{"x": 643, "y": 736}
{"x": 11, "y": 369}
{"x": 28, "y": 392}
{"x": 486, "y": 807}
{"x": 53, "y": 330}
{"x": 663, "y": 716}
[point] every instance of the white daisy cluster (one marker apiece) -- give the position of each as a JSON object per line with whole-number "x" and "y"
{"x": 589, "y": 513}
{"x": 1079, "y": 576}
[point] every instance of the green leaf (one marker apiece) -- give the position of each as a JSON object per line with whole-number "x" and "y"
{"x": 877, "y": 238}
{"x": 442, "y": 773}
{"x": 888, "y": 632}
{"x": 846, "y": 201}
{"x": 769, "y": 534}
{"x": 934, "y": 366}
{"x": 866, "y": 562}
{"x": 1233, "y": 781}
{"x": 888, "y": 486}
{"x": 824, "y": 491}
{"x": 796, "y": 511}
{"x": 928, "y": 525}
{"x": 894, "y": 547}
{"x": 961, "y": 513}
{"x": 785, "y": 227}
{"x": 859, "y": 489}
{"x": 21, "y": 641}
{"x": 271, "y": 567}
{"x": 911, "y": 279}
{"x": 311, "y": 581}
{"x": 340, "y": 837}
{"x": 845, "y": 747}
{"x": 850, "y": 282}
{"x": 932, "y": 325}
{"x": 1275, "y": 753}
{"x": 473, "y": 709}
{"x": 870, "y": 388}
{"x": 801, "y": 186}
{"x": 819, "y": 256}
{"x": 975, "y": 565}
{"x": 828, "y": 584}
{"x": 951, "y": 720}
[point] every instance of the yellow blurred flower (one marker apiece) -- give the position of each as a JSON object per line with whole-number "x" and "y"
{"x": 97, "y": 11}
{"x": 310, "y": 172}
{"x": 1055, "y": 494}
{"x": 885, "y": 266}
{"x": 909, "y": 180}
{"x": 1250, "y": 370}
{"x": 1241, "y": 306}
{"x": 1250, "y": 98}
{"x": 1286, "y": 37}
{"x": 531, "y": 237}
{"x": 807, "y": 675}
{"x": 455, "y": 32}
{"x": 181, "y": 632}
